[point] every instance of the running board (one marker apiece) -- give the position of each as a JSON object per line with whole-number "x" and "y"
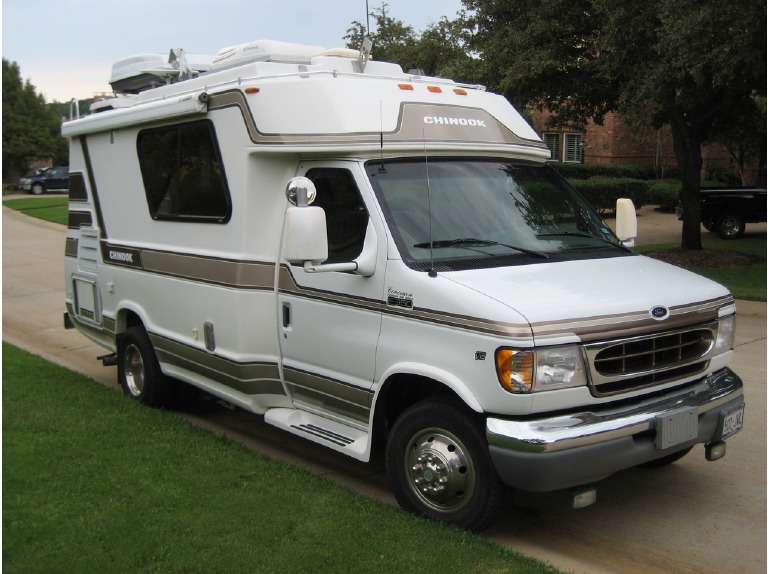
{"x": 337, "y": 436}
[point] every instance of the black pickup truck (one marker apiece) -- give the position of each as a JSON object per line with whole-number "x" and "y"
{"x": 726, "y": 210}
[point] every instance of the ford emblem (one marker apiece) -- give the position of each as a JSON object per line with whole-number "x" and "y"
{"x": 659, "y": 313}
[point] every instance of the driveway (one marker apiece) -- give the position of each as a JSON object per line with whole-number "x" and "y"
{"x": 693, "y": 516}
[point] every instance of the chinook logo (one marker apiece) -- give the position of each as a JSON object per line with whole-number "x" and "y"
{"x": 121, "y": 256}
{"x": 442, "y": 120}
{"x": 659, "y": 313}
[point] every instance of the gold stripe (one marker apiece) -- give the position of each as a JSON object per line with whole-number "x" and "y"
{"x": 231, "y": 273}
{"x": 329, "y": 395}
{"x": 248, "y": 378}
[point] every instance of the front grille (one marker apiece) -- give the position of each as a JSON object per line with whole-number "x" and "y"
{"x": 628, "y": 364}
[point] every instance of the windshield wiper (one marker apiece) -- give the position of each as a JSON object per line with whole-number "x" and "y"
{"x": 471, "y": 241}
{"x": 582, "y": 234}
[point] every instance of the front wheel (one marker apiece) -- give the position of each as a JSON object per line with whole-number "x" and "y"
{"x": 37, "y": 189}
{"x": 439, "y": 466}
{"x": 139, "y": 372}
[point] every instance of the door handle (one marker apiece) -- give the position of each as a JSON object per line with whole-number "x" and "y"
{"x": 286, "y": 314}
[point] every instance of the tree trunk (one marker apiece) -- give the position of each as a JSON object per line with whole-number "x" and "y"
{"x": 687, "y": 147}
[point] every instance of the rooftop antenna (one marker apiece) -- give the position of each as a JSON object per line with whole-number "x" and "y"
{"x": 432, "y": 270}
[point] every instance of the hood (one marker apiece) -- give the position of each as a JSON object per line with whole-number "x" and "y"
{"x": 598, "y": 297}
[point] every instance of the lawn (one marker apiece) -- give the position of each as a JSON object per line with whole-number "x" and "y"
{"x": 52, "y": 208}
{"x": 740, "y": 265}
{"x": 93, "y": 482}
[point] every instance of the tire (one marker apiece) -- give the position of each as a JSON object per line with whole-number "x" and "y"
{"x": 666, "y": 460}
{"x": 439, "y": 466}
{"x": 729, "y": 225}
{"x": 37, "y": 189}
{"x": 139, "y": 372}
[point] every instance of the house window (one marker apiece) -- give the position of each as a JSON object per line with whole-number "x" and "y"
{"x": 183, "y": 175}
{"x": 552, "y": 141}
{"x": 572, "y": 148}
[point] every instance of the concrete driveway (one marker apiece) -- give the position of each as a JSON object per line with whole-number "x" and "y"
{"x": 693, "y": 516}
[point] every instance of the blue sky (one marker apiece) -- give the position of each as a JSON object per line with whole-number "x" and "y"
{"x": 66, "y": 48}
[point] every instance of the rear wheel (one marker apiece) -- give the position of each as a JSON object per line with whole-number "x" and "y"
{"x": 139, "y": 372}
{"x": 729, "y": 225}
{"x": 439, "y": 466}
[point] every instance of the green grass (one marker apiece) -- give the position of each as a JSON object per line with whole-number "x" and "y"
{"x": 93, "y": 482}
{"x": 747, "y": 282}
{"x": 49, "y": 208}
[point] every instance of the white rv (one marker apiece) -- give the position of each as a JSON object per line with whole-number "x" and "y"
{"x": 367, "y": 256}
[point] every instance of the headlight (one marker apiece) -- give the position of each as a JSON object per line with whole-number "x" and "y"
{"x": 725, "y": 335}
{"x": 546, "y": 369}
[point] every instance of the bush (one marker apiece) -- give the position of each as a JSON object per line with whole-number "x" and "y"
{"x": 723, "y": 174}
{"x": 589, "y": 170}
{"x": 664, "y": 193}
{"x": 602, "y": 192}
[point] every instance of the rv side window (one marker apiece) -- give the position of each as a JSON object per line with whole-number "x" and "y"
{"x": 183, "y": 174}
{"x": 346, "y": 215}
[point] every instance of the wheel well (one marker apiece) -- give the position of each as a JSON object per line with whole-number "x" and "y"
{"x": 400, "y": 392}
{"x": 126, "y": 319}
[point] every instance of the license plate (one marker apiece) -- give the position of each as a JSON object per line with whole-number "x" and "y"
{"x": 732, "y": 421}
{"x": 676, "y": 427}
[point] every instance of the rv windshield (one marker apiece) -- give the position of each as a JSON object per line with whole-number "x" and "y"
{"x": 486, "y": 213}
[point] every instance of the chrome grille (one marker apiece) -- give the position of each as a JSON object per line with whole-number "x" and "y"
{"x": 622, "y": 365}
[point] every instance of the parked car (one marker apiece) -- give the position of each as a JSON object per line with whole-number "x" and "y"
{"x": 726, "y": 210}
{"x": 52, "y": 179}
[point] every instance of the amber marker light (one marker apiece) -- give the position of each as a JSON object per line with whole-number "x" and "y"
{"x": 515, "y": 369}
{"x": 251, "y": 90}
{"x": 434, "y": 89}
{"x": 460, "y": 92}
{"x": 406, "y": 86}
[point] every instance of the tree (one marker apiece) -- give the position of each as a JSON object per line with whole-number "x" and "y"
{"x": 31, "y": 129}
{"x": 691, "y": 64}
{"x": 440, "y": 50}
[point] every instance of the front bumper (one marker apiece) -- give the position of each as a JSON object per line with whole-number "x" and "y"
{"x": 563, "y": 451}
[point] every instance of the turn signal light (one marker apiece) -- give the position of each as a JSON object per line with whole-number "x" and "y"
{"x": 515, "y": 370}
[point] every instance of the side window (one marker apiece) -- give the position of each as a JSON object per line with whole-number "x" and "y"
{"x": 346, "y": 215}
{"x": 183, "y": 175}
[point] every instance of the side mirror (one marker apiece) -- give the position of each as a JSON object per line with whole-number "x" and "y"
{"x": 305, "y": 232}
{"x": 625, "y": 221}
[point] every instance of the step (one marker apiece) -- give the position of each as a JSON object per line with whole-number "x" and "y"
{"x": 337, "y": 436}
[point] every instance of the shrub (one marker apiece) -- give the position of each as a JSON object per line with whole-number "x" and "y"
{"x": 589, "y": 170}
{"x": 602, "y": 192}
{"x": 664, "y": 193}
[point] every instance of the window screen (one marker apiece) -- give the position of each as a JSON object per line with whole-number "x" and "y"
{"x": 183, "y": 175}
{"x": 572, "y": 148}
{"x": 552, "y": 141}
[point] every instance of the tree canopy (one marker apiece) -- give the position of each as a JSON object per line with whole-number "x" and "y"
{"x": 696, "y": 65}
{"x": 31, "y": 128}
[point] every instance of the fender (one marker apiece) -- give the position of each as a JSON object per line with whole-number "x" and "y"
{"x": 430, "y": 372}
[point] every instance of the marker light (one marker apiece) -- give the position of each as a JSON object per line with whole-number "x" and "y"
{"x": 406, "y": 86}
{"x": 434, "y": 89}
{"x": 460, "y": 92}
{"x": 251, "y": 90}
{"x": 515, "y": 369}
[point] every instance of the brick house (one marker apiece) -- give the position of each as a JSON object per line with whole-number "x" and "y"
{"x": 616, "y": 142}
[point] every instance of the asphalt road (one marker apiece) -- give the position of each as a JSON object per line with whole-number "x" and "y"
{"x": 693, "y": 516}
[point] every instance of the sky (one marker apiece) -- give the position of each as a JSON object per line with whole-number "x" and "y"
{"x": 66, "y": 48}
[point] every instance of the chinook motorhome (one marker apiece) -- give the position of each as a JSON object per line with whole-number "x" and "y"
{"x": 367, "y": 256}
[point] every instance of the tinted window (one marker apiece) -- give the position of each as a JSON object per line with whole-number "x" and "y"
{"x": 184, "y": 178}
{"x": 346, "y": 215}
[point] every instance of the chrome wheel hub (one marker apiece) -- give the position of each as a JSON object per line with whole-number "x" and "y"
{"x": 439, "y": 470}
{"x": 133, "y": 370}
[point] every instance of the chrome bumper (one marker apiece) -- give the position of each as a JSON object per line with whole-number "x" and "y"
{"x": 578, "y": 448}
